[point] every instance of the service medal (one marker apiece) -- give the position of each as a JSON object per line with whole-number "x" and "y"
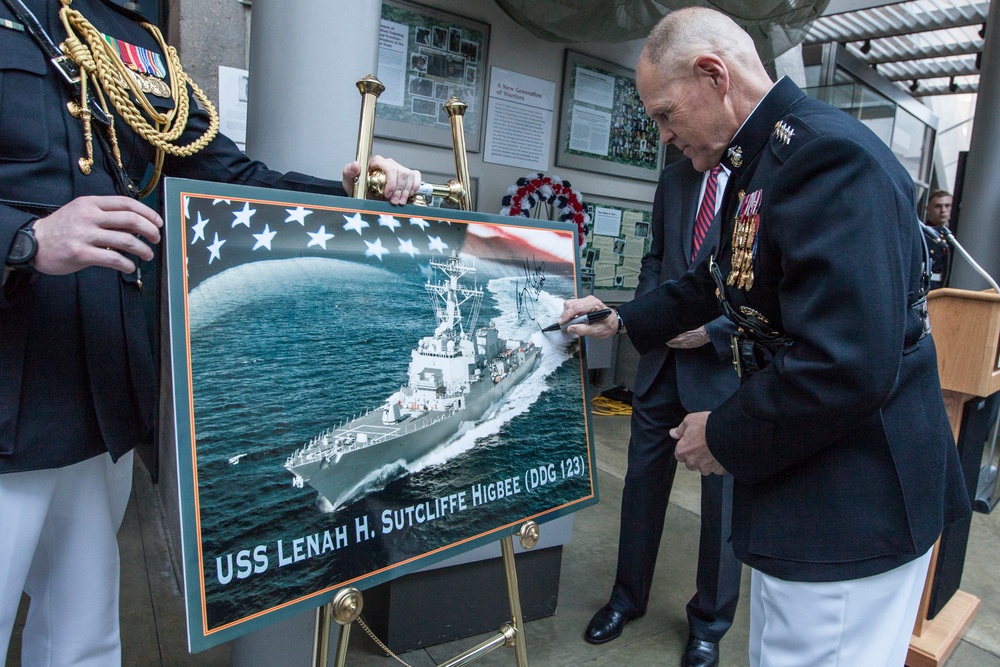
{"x": 747, "y": 221}
{"x": 146, "y": 67}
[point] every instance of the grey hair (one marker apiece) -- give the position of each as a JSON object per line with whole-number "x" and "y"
{"x": 682, "y": 35}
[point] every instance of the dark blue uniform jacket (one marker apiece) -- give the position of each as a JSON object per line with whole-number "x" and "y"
{"x": 843, "y": 456}
{"x": 76, "y": 371}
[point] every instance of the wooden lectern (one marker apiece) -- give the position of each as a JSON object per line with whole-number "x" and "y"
{"x": 966, "y": 330}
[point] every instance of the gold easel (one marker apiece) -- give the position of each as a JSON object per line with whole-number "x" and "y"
{"x": 347, "y": 604}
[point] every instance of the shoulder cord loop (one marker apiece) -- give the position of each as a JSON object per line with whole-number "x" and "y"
{"x": 98, "y": 60}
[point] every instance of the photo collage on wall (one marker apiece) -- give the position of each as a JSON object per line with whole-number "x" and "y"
{"x": 612, "y": 254}
{"x": 441, "y": 58}
{"x": 603, "y": 124}
{"x": 633, "y": 138}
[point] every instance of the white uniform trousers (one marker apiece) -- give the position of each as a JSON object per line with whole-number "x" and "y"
{"x": 856, "y": 623}
{"x": 58, "y": 544}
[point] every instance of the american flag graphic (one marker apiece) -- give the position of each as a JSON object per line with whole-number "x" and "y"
{"x": 224, "y": 233}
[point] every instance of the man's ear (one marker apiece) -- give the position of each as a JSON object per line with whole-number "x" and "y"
{"x": 711, "y": 66}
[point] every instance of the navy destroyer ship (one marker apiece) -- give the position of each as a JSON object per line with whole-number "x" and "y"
{"x": 456, "y": 375}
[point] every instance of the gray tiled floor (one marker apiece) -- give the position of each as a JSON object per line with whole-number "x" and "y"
{"x": 153, "y": 619}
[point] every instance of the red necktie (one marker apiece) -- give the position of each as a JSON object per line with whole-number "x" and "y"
{"x": 706, "y": 212}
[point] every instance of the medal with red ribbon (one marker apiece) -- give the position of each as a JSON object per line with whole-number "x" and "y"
{"x": 745, "y": 240}
{"x": 147, "y": 67}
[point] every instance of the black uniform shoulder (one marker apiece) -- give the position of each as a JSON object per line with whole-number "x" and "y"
{"x": 127, "y": 13}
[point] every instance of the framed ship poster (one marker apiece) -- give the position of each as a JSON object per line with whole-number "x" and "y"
{"x": 361, "y": 390}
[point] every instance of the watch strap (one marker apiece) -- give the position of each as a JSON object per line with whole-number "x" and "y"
{"x": 24, "y": 260}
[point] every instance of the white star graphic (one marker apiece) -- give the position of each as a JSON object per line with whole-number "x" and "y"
{"x": 420, "y": 222}
{"x": 187, "y": 207}
{"x": 407, "y": 247}
{"x": 224, "y": 201}
{"x": 319, "y": 238}
{"x": 214, "y": 250}
{"x": 355, "y": 223}
{"x": 298, "y": 215}
{"x": 388, "y": 221}
{"x": 243, "y": 217}
{"x": 264, "y": 238}
{"x": 199, "y": 229}
{"x": 376, "y": 249}
{"x": 437, "y": 244}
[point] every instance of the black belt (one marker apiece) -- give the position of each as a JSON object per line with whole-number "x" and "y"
{"x": 754, "y": 344}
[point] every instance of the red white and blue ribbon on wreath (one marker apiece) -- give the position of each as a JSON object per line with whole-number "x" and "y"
{"x": 537, "y": 188}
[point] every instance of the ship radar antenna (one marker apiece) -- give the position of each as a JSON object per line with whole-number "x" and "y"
{"x": 449, "y": 297}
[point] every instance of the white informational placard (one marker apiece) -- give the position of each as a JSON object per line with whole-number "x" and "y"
{"x": 234, "y": 87}
{"x": 519, "y": 120}
{"x": 594, "y": 88}
{"x": 392, "y": 40}
{"x": 591, "y": 131}
{"x": 607, "y": 221}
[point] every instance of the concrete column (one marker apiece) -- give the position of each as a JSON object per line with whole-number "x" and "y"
{"x": 302, "y": 115}
{"x": 305, "y": 57}
{"x": 979, "y": 224}
{"x": 790, "y": 64}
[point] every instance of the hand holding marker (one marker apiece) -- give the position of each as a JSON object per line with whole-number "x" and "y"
{"x": 586, "y": 318}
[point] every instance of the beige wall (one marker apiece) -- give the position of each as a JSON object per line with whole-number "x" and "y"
{"x": 207, "y": 34}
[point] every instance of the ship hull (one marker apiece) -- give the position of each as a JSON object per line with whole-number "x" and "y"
{"x": 341, "y": 478}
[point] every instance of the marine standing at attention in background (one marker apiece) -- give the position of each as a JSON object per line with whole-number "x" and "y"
{"x": 91, "y": 100}
{"x": 937, "y": 215}
{"x": 845, "y": 468}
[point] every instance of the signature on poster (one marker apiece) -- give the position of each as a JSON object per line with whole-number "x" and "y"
{"x": 528, "y": 293}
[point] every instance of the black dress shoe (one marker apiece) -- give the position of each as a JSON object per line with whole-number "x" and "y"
{"x": 700, "y": 653}
{"x": 607, "y": 624}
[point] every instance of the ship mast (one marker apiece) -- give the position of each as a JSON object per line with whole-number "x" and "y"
{"x": 451, "y": 296}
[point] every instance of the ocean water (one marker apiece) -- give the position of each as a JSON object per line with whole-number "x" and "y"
{"x": 283, "y": 350}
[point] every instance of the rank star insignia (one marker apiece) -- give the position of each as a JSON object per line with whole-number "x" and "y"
{"x": 783, "y": 132}
{"x": 735, "y": 154}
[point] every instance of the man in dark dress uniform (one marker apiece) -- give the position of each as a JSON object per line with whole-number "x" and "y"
{"x": 77, "y": 389}
{"x": 844, "y": 464}
{"x": 691, "y": 373}
{"x": 937, "y": 216}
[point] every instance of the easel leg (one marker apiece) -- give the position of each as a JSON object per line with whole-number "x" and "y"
{"x": 345, "y": 609}
{"x": 321, "y": 636}
{"x": 513, "y": 595}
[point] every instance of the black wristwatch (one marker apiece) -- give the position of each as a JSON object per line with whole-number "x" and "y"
{"x": 21, "y": 256}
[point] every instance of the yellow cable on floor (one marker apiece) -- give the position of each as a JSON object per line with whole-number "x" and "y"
{"x": 604, "y": 406}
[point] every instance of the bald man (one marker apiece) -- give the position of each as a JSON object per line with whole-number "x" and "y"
{"x": 844, "y": 464}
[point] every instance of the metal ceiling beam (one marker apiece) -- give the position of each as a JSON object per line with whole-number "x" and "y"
{"x": 847, "y": 6}
{"x": 929, "y": 69}
{"x": 873, "y": 24}
{"x": 892, "y": 55}
{"x": 944, "y": 89}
